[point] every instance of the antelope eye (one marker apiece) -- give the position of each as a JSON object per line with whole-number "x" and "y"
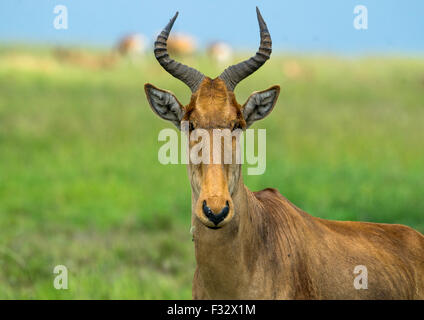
{"x": 190, "y": 126}
{"x": 236, "y": 126}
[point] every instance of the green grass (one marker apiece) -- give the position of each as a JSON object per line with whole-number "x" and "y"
{"x": 80, "y": 183}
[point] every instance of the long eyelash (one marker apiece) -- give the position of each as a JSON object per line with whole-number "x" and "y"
{"x": 237, "y": 126}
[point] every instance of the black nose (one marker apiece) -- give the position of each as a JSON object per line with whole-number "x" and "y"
{"x": 216, "y": 218}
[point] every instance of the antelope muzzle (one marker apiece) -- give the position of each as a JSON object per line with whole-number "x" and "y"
{"x": 213, "y": 217}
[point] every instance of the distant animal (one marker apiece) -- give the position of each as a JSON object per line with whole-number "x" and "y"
{"x": 85, "y": 59}
{"x": 181, "y": 44}
{"x": 292, "y": 69}
{"x": 258, "y": 245}
{"x": 220, "y": 52}
{"x": 132, "y": 44}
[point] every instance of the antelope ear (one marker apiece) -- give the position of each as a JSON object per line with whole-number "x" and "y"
{"x": 164, "y": 104}
{"x": 260, "y": 104}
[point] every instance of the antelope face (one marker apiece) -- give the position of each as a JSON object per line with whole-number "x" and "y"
{"x": 215, "y": 121}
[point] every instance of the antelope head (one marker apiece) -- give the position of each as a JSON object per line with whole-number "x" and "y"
{"x": 213, "y": 105}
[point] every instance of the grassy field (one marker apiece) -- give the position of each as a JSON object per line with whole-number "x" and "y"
{"x": 81, "y": 186}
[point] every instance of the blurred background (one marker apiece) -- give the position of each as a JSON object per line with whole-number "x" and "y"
{"x": 80, "y": 182}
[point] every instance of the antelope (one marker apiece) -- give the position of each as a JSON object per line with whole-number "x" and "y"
{"x": 86, "y": 59}
{"x": 131, "y": 44}
{"x": 258, "y": 245}
{"x": 181, "y": 44}
{"x": 220, "y": 52}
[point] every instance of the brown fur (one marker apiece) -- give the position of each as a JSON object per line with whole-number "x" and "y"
{"x": 278, "y": 251}
{"x": 267, "y": 248}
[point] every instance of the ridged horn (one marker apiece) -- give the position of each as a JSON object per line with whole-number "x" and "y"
{"x": 191, "y": 77}
{"x": 234, "y": 74}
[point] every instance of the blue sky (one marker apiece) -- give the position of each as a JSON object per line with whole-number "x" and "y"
{"x": 394, "y": 26}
